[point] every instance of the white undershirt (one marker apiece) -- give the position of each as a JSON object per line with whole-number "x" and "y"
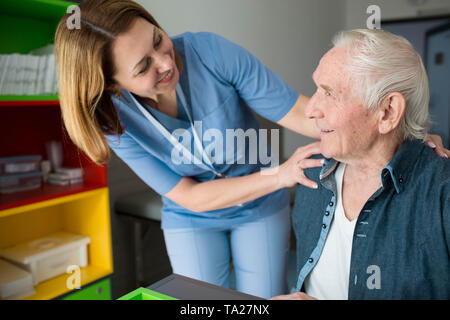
{"x": 329, "y": 279}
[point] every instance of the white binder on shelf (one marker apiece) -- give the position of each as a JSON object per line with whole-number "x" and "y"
{"x": 3, "y": 64}
{"x": 22, "y": 76}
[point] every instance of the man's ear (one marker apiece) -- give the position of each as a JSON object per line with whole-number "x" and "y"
{"x": 391, "y": 112}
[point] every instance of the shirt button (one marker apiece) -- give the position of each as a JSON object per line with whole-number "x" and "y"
{"x": 400, "y": 180}
{"x": 324, "y": 226}
{"x": 310, "y": 260}
{"x": 331, "y": 204}
{"x": 327, "y": 213}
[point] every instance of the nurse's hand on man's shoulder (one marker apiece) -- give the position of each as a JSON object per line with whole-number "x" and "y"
{"x": 435, "y": 142}
{"x": 293, "y": 296}
{"x": 291, "y": 172}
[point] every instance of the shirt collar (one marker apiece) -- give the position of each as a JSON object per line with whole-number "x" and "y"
{"x": 401, "y": 165}
{"x": 398, "y": 170}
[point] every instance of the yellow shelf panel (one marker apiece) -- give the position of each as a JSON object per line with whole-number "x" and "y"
{"x": 57, "y": 286}
{"x": 85, "y": 213}
{"x": 51, "y": 202}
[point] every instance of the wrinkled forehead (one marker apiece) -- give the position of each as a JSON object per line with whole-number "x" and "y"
{"x": 332, "y": 70}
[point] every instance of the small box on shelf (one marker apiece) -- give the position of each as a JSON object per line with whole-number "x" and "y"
{"x": 15, "y": 283}
{"x": 19, "y": 164}
{"x": 49, "y": 256}
{"x": 20, "y": 182}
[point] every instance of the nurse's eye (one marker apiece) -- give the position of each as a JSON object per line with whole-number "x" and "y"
{"x": 158, "y": 41}
{"x": 147, "y": 64}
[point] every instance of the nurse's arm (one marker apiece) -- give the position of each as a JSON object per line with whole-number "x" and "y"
{"x": 221, "y": 193}
{"x": 226, "y": 192}
{"x": 296, "y": 120}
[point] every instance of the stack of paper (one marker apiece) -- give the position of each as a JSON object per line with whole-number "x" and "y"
{"x": 64, "y": 176}
{"x": 26, "y": 74}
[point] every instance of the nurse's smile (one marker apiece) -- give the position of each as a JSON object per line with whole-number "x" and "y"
{"x": 168, "y": 76}
{"x": 145, "y": 61}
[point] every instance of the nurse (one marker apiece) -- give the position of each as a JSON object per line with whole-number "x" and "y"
{"x": 164, "y": 105}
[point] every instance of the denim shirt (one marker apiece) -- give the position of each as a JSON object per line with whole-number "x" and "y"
{"x": 401, "y": 242}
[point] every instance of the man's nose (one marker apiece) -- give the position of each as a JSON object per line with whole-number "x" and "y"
{"x": 312, "y": 109}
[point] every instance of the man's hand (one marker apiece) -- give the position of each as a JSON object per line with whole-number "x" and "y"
{"x": 294, "y": 296}
{"x": 435, "y": 142}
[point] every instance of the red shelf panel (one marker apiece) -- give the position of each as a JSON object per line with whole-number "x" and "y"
{"x": 30, "y": 103}
{"x": 26, "y": 128}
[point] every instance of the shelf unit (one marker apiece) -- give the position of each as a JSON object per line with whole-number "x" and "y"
{"x": 26, "y": 124}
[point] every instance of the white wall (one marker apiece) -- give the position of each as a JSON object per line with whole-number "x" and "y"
{"x": 393, "y": 9}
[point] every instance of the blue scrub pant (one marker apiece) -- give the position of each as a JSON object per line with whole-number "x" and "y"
{"x": 259, "y": 250}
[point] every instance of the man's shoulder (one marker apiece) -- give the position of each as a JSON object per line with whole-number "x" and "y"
{"x": 432, "y": 167}
{"x": 420, "y": 167}
{"x": 429, "y": 181}
{"x": 314, "y": 175}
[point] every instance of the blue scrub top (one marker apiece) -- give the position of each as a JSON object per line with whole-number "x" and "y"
{"x": 221, "y": 81}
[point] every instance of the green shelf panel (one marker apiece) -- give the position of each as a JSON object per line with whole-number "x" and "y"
{"x": 98, "y": 291}
{"x": 42, "y": 9}
{"x": 28, "y": 98}
{"x": 30, "y": 24}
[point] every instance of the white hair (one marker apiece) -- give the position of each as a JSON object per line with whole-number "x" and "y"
{"x": 383, "y": 63}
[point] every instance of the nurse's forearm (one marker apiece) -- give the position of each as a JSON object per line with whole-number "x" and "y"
{"x": 225, "y": 192}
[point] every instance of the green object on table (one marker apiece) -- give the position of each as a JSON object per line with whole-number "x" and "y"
{"x": 145, "y": 294}
{"x": 97, "y": 291}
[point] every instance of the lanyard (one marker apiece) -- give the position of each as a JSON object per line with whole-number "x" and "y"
{"x": 174, "y": 141}
{"x": 197, "y": 140}
{"x": 196, "y": 137}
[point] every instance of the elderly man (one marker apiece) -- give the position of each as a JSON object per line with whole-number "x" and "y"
{"x": 378, "y": 226}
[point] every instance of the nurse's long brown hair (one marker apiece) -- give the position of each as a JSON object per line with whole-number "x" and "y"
{"x": 86, "y": 70}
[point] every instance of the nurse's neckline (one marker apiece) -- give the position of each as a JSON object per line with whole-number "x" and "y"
{"x": 168, "y": 105}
